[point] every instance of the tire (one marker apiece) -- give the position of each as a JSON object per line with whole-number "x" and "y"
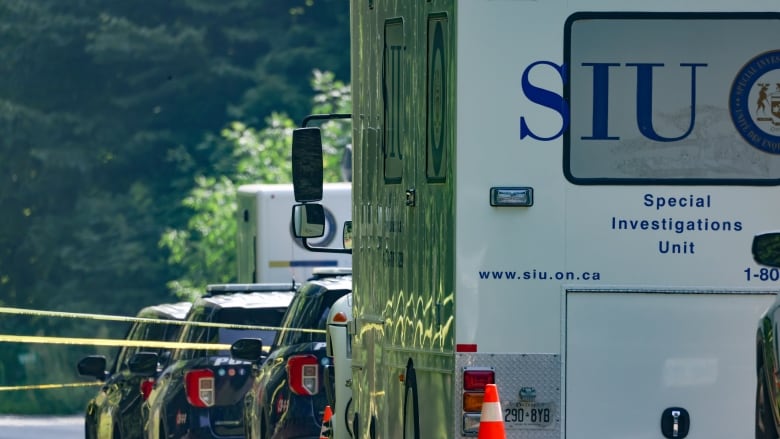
{"x": 89, "y": 431}
{"x": 411, "y": 406}
{"x": 350, "y": 433}
{"x": 264, "y": 433}
{"x": 765, "y": 422}
{"x": 250, "y": 430}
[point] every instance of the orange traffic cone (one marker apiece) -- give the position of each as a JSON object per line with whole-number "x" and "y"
{"x": 491, "y": 423}
{"x": 325, "y": 431}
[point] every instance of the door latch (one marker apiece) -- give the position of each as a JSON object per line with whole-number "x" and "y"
{"x": 411, "y": 196}
{"x": 675, "y": 423}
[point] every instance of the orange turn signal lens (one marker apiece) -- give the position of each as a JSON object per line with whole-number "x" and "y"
{"x": 472, "y": 401}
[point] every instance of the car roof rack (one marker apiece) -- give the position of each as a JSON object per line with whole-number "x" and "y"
{"x": 218, "y": 289}
{"x": 175, "y": 311}
{"x": 326, "y": 272}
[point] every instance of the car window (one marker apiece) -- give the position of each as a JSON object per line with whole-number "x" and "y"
{"x": 271, "y": 317}
{"x": 308, "y": 311}
{"x": 123, "y": 354}
{"x": 192, "y": 334}
{"x": 158, "y": 332}
{"x": 146, "y": 331}
{"x": 228, "y": 336}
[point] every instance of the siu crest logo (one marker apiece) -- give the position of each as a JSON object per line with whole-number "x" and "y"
{"x": 754, "y": 102}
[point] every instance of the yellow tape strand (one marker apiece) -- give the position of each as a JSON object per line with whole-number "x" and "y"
{"x": 111, "y": 342}
{"x": 104, "y": 317}
{"x": 4, "y": 338}
{"x": 48, "y": 386}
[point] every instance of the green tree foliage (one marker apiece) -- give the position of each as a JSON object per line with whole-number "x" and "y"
{"x": 104, "y": 108}
{"x": 206, "y": 249}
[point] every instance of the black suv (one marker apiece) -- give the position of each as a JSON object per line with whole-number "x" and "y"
{"x": 115, "y": 412}
{"x": 287, "y": 399}
{"x": 201, "y": 393}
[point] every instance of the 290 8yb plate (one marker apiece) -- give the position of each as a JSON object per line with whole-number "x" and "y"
{"x": 527, "y": 415}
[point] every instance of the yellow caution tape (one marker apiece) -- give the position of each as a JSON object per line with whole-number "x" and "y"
{"x": 48, "y": 386}
{"x": 4, "y": 338}
{"x": 114, "y": 318}
{"x": 111, "y": 342}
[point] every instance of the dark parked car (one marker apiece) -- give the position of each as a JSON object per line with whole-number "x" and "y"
{"x": 287, "y": 398}
{"x": 115, "y": 412}
{"x": 200, "y": 394}
{"x": 766, "y": 251}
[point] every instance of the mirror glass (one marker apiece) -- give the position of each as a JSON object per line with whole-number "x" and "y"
{"x": 347, "y": 235}
{"x": 308, "y": 220}
{"x": 307, "y": 165}
{"x": 766, "y": 249}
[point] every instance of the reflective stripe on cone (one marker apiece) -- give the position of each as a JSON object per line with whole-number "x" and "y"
{"x": 326, "y": 431}
{"x": 491, "y": 424}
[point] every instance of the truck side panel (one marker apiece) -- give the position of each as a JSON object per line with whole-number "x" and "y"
{"x": 633, "y": 182}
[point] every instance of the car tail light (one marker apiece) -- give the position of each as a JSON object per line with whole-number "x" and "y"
{"x": 474, "y": 382}
{"x": 477, "y": 379}
{"x": 146, "y": 388}
{"x": 303, "y": 374}
{"x": 199, "y": 385}
{"x": 472, "y": 401}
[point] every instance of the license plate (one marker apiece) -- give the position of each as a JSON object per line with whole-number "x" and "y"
{"x": 521, "y": 414}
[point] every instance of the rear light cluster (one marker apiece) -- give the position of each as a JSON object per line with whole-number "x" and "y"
{"x": 303, "y": 373}
{"x": 199, "y": 385}
{"x": 147, "y": 385}
{"x": 474, "y": 382}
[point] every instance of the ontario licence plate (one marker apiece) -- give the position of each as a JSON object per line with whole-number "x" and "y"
{"x": 521, "y": 414}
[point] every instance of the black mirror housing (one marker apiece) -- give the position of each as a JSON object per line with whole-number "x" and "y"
{"x": 247, "y": 349}
{"x": 93, "y": 366}
{"x": 766, "y": 249}
{"x": 307, "y": 165}
{"x": 143, "y": 363}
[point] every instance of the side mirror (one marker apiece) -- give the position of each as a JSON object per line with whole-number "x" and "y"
{"x": 346, "y": 235}
{"x": 307, "y": 172}
{"x": 247, "y": 349}
{"x": 766, "y": 249}
{"x": 308, "y": 220}
{"x": 93, "y": 366}
{"x": 143, "y": 363}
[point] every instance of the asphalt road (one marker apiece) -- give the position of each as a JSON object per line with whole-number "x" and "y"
{"x": 43, "y": 427}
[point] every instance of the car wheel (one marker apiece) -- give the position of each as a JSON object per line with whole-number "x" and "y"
{"x": 264, "y": 433}
{"x": 765, "y": 422}
{"x": 89, "y": 430}
{"x": 347, "y": 423}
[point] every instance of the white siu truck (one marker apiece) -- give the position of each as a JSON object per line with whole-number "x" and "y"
{"x": 267, "y": 249}
{"x": 558, "y": 197}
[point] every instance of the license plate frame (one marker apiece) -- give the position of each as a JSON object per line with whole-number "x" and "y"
{"x": 528, "y": 415}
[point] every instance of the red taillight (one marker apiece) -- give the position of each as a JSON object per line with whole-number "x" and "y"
{"x": 199, "y": 385}
{"x": 477, "y": 379}
{"x": 303, "y": 374}
{"x": 146, "y": 388}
